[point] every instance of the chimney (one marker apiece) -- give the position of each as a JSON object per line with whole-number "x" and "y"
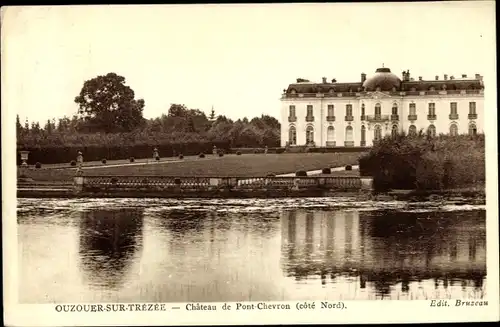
{"x": 452, "y": 77}
{"x": 324, "y": 80}
{"x": 464, "y": 75}
{"x": 420, "y": 78}
{"x": 363, "y": 77}
{"x": 334, "y": 80}
{"x": 437, "y": 77}
{"x": 412, "y": 79}
{"x": 407, "y": 75}
{"x": 445, "y": 77}
{"x": 478, "y": 76}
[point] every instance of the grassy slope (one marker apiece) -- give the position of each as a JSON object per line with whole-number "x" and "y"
{"x": 229, "y": 165}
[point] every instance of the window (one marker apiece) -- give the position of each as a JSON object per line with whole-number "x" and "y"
{"x": 309, "y": 110}
{"x": 291, "y": 112}
{"x": 431, "y": 131}
{"x": 331, "y": 111}
{"x": 330, "y": 134}
{"x": 363, "y": 135}
{"x": 348, "y": 110}
{"x": 378, "y": 109}
{"x": 349, "y": 134}
{"x": 362, "y": 109}
{"x": 292, "y": 135}
{"x": 412, "y": 130}
{"x": 394, "y": 131}
{"x": 309, "y": 135}
{"x": 413, "y": 110}
{"x": 472, "y": 108}
{"x": 453, "y": 130}
{"x": 453, "y": 108}
{"x": 472, "y": 129}
{"x": 432, "y": 109}
{"x": 395, "y": 109}
{"x": 378, "y": 133}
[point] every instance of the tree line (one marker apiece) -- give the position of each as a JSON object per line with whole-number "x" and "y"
{"x": 109, "y": 117}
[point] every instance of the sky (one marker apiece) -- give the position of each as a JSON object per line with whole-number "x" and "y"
{"x": 236, "y": 58}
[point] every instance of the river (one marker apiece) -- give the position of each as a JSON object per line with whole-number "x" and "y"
{"x": 160, "y": 250}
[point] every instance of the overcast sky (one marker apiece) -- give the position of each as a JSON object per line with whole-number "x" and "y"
{"x": 237, "y": 58}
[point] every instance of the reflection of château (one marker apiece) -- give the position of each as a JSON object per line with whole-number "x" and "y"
{"x": 108, "y": 241}
{"x": 387, "y": 248}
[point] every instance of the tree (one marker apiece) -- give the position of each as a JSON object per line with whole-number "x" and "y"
{"x": 109, "y": 104}
{"x": 212, "y": 114}
{"x": 19, "y": 127}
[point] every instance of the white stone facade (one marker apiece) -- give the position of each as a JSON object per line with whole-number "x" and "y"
{"x": 355, "y": 119}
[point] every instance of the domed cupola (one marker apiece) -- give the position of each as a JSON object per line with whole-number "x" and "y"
{"x": 382, "y": 80}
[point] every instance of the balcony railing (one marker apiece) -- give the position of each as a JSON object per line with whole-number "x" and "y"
{"x": 349, "y": 118}
{"x": 431, "y": 117}
{"x": 394, "y": 117}
{"x": 330, "y": 118}
{"x": 377, "y": 118}
{"x": 453, "y": 116}
{"x": 292, "y": 119}
{"x": 348, "y": 143}
{"x": 472, "y": 116}
{"x": 331, "y": 143}
{"x": 412, "y": 117}
{"x": 394, "y": 93}
{"x": 309, "y": 118}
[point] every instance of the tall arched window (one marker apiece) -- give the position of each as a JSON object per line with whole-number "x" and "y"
{"x": 362, "y": 109}
{"x": 472, "y": 129}
{"x": 453, "y": 130}
{"x": 378, "y": 109}
{"x": 330, "y": 136}
{"x": 395, "y": 109}
{"x": 394, "y": 131}
{"x": 309, "y": 135}
{"x": 292, "y": 135}
{"x": 412, "y": 130}
{"x": 377, "y": 133}
{"x": 349, "y": 136}
{"x": 363, "y": 135}
{"x": 431, "y": 131}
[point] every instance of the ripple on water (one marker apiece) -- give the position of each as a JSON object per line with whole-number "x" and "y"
{"x": 31, "y": 206}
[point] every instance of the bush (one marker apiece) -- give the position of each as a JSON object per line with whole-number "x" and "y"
{"x": 326, "y": 171}
{"x": 301, "y": 173}
{"x": 181, "y": 156}
{"x": 348, "y": 167}
{"x": 72, "y": 163}
{"x": 423, "y": 163}
{"x": 238, "y": 153}
{"x": 38, "y": 165}
{"x": 280, "y": 150}
{"x": 131, "y": 159}
{"x": 157, "y": 158}
{"x": 221, "y": 154}
{"x": 103, "y": 161}
{"x": 201, "y": 155}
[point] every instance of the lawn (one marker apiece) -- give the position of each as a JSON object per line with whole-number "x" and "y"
{"x": 230, "y": 165}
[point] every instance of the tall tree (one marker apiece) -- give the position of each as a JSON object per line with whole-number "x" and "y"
{"x": 109, "y": 104}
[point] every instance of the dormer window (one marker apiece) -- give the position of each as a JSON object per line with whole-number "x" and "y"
{"x": 332, "y": 90}
{"x": 413, "y": 89}
{"x": 292, "y": 91}
{"x": 432, "y": 88}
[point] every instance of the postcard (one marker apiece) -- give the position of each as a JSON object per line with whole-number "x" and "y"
{"x": 249, "y": 164}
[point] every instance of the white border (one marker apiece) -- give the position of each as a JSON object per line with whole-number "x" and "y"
{"x": 356, "y": 312}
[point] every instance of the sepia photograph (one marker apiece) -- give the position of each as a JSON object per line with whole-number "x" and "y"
{"x": 303, "y": 163}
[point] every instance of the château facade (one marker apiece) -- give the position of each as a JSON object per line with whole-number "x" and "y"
{"x": 356, "y": 114}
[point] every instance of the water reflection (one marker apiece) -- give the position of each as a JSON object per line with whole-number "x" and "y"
{"x": 385, "y": 248}
{"x": 109, "y": 239}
